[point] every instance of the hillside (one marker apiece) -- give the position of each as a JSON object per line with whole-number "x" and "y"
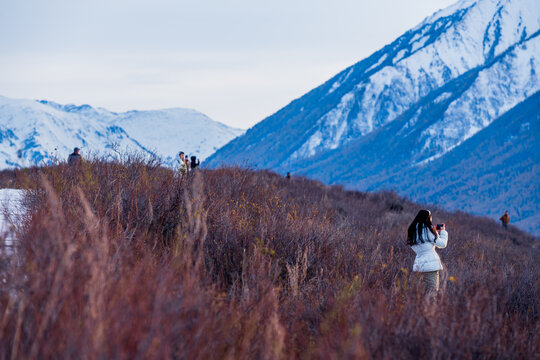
{"x": 498, "y": 169}
{"x": 131, "y": 260}
{"x": 39, "y": 132}
{"x": 413, "y": 102}
{"x": 505, "y": 158}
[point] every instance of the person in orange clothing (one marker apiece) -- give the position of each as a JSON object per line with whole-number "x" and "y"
{"x": 505, "y": 219}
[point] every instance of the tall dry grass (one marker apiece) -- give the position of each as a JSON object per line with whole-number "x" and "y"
{"x": 131, "y": 260}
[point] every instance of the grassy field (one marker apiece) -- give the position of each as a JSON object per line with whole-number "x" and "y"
{"x": 131, "y": 260}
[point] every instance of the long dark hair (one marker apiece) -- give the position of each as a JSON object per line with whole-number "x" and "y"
{"x": 422, "y": 219}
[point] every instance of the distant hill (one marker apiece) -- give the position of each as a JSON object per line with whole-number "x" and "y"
{"x": 387, "y": 121}
{"x": 35, "y": 132}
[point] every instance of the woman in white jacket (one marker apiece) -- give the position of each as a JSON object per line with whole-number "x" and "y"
{"x": 423, "y": 238}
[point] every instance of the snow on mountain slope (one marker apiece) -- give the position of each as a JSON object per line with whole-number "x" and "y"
{"x": 468, "y": 36}
{"x": 12, "y": 210}
{"x": 168, "y": 131}
{"x": 34, "y": 133}
{"x": 496, "y": 90}
{"x": 438, "y": 50}
{"x": 37, "y": 132}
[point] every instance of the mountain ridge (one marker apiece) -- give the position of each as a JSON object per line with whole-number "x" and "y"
{"x": 38, "y": 131}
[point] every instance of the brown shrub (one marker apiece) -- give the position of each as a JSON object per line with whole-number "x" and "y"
{"x": 132, "y": 260}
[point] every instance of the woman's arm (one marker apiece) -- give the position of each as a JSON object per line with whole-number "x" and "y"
{"x": 442, "y": 240}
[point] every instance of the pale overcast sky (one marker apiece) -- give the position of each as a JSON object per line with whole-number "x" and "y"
{"x": 237, "y": 61}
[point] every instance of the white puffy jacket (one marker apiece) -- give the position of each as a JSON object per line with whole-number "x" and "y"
{"x": 427, "y": 258}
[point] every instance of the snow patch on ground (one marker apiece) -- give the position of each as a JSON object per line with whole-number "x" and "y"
{"x": 11, "y": 212}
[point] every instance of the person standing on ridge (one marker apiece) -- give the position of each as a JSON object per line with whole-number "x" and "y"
{"x": 183, "y": 165}
{"x": 74, "y": 158}
{"x": 186, "y": 161}
{"x": 423, "y": 237}
{"x": 194, "y": 162}
{"x": 505, "y": 219}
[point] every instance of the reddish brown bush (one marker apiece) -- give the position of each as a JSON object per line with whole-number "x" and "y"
{"x": 131, "y": 260}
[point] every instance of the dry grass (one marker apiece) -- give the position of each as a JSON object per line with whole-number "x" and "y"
{"x": 130, "y": 260}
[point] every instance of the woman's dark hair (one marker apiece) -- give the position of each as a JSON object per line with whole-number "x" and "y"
{"x": 422, "y": 219}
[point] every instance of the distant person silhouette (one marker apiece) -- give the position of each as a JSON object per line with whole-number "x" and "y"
{"x": 423, "y": 237}
{"x": 288, "y": 176}
{"x": 74, "y": 158}
{"x": 194, "y": 162}
{"x": 505, "y": 219}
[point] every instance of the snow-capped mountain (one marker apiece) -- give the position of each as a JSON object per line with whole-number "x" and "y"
{"x": 412, "y": 102}
{"x": 36, "y": 132}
